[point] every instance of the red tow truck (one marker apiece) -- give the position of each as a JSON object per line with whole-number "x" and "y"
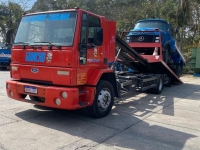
{"x": 60, "y": 60}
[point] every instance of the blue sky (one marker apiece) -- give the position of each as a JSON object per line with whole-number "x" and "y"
{"x": 24, "y": 3}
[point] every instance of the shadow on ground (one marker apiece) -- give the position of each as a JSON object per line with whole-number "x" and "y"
{"x": 127, "y": 119}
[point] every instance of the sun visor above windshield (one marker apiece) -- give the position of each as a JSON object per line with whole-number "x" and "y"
{"x": 46, "y": 17}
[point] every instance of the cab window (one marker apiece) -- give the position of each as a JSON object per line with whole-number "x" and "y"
{"x": 92, "y": 23}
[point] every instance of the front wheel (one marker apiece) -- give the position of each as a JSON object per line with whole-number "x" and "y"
{"x": 103, "y": 100}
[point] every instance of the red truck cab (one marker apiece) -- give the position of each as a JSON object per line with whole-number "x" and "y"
{"x": 60, "y": 60}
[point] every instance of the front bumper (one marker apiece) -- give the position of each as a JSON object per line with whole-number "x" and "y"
{"x": 75, "y": 99}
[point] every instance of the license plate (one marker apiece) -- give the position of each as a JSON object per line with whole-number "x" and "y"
{"x": 30, "y": 89}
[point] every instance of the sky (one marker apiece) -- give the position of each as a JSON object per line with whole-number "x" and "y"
{"x": 24, "y": 3}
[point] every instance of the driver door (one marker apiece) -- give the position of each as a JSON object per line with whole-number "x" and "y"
{"x": 89, "y": 53}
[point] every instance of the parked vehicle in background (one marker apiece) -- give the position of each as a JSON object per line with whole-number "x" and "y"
{"x": 5, "y": 56}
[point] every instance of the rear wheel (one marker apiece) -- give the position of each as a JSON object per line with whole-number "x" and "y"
{"x": 103, "y": 100}
{"x": 165, "y": 55}
{"x": 159, "y": 87}
{"x": 178, "y": 70}
{"x": 169, "y": 82}
{"x": 181, "y": 70}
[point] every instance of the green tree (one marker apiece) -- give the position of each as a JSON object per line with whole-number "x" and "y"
{"x": 10, "y": 16}
{"x": 183, "y": 14}
{"x": 44, "y": 5}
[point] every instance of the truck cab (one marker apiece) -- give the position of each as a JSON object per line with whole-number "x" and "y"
{"x": 59, "y": 57}
{"x": 153, "y": 30}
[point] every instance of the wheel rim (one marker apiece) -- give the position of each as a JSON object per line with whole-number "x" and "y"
{"x": 104, "y": 99}
{"x": 160, "y": 84}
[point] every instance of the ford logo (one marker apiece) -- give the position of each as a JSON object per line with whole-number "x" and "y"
{"x": 34, "y": 70}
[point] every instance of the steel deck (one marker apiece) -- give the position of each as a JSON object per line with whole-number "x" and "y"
{"x": 132, "y": 59}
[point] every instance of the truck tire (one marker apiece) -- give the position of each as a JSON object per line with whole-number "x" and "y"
{"x": 103, "y": 100}
{"x": 181, "y": 70}
{"x": 159, "y": 87}
{"x": 165, "y": 55}
{"x": 178, "y": 70}
{"x": 169, "y": 82}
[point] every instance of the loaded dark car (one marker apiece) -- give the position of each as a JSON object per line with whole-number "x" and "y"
{"x": 150, "y": 31}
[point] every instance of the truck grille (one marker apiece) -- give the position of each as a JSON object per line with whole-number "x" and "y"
{"x": 37, "y": 82}
{"x": 142, "y": 38}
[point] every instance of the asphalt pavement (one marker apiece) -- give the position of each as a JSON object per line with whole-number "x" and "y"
{"x": 141, "y": 121}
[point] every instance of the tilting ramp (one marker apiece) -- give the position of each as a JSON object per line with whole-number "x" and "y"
{"x": 131, "y": 59}
{"x": 162, "y": 67}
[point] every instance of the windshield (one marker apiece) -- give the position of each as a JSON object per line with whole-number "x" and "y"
{"x": 56, "y": 28}
{"x": 151, "y": 24}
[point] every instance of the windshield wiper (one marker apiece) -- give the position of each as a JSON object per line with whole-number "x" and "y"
{"x": 40, "y": 43}
{"x": 21, "y": 43}
{"x": 43, "y": 43}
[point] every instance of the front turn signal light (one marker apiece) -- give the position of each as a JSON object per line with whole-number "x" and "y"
{"x": 65, "y": 73}
{"x": 14, "y": 68}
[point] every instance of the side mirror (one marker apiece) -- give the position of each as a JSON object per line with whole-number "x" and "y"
{"x": 98, "y": 36}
